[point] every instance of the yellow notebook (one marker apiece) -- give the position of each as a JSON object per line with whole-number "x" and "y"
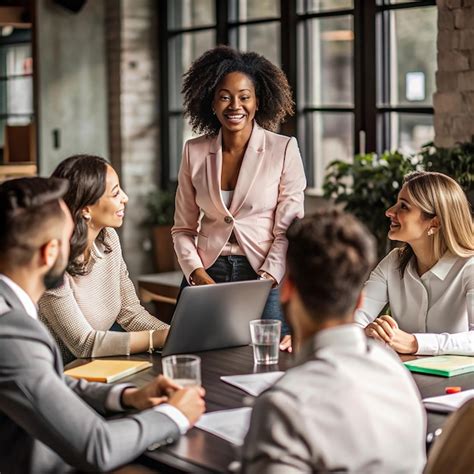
{"x": 107, "y": 370}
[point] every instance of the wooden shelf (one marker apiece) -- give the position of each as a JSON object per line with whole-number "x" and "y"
{"x": 17, "y": 170}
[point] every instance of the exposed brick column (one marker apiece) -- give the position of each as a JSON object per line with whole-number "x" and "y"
{"x": 139, "y": 114}
{"x": 454, "y": 99}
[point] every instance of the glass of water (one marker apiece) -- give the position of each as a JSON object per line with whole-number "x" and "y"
{"x": 265, "y": 335}
{"x": 183, "y": 369}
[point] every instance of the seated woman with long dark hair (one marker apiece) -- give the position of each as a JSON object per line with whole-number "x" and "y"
{"x": 429, "y": 281}
{"x": 97, "y": 291}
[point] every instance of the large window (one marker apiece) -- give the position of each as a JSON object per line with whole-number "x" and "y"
{"x": 325, "y": 84}
{"x": 189, "y": 30}
{"x": 406, "y": 55}
{"x": 16, "y": 78}
{"x": 255, "y": 26}
{"x": 362, "y": 71}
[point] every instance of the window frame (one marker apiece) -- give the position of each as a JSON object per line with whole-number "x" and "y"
{"x": 371, "y": 26}
{"x": 20, "y": 38}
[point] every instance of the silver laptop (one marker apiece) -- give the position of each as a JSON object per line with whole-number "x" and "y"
{"x": 215, "y": 316}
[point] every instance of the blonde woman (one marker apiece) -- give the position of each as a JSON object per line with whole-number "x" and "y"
{"x": 429, "y": 281}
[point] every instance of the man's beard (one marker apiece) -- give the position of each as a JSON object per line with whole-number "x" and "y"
{"x": 55, "y": 275}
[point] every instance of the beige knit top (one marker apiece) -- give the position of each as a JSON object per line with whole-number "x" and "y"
{"x": 81, "y": 312}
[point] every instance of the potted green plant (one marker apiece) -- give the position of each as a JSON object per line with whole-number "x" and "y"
{"x": 457, "y": 162}
{"x": 367, "y": 187}
{"x": 159, "y": 217}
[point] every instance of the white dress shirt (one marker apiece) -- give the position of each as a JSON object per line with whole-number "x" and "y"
{"x": 113, "y": 401}
{"x": 437, "y": 308}
{"x": 22, "y": 295}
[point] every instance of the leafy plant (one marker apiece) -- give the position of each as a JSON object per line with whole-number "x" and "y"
{"x": 367, "y": 187}
{"x": 457, "y": 162}
{"x": 370, "y": 184}
{"x": 160, "y": 207}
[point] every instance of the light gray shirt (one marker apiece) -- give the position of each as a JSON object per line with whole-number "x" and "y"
{"x": 348, "y": 406}
{"x": 438, "y": 307}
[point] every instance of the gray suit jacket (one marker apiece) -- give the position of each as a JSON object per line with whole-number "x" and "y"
{"x": 53, "y": 423}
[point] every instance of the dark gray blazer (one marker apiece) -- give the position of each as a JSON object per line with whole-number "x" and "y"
{"x": 53, "y": 423}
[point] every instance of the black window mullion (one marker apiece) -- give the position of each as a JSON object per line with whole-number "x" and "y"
{"x": 289, "y": 55}
{"x": 222, "y": 16}
{"x": 194, "y": 29}
{"x": 405, "y": 6}
{"x": 365, "y": 74}
{"x": 407, "y": 109}
{"x": 326, "y": 14}
{"x": 254, "y": 21}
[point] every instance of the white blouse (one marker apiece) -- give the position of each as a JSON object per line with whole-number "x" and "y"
{"x": 227, "y": 197}
{"x": 437, "y": 308}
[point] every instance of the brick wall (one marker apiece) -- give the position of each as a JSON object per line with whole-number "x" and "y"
{"x": 133, "y": 115}
{"x": 454, "y": 99}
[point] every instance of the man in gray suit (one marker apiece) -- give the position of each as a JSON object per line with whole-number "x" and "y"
{"x": 50, "y": 422}
{"x": 348, "y": 405}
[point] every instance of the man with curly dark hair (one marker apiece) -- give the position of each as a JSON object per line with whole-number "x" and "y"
{"x": 240, "y": 184}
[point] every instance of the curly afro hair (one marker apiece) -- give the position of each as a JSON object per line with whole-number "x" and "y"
{"x": 200, "y": 81}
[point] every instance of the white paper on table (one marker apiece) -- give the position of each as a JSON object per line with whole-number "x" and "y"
{"x": 254, "y": 384}
{"x": 231, "y": 425}
{"x": 448, "y": 403}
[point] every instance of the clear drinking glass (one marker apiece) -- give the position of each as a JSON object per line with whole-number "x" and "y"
{"x": 183, "y": 369}
{"x": 265, "y": 335}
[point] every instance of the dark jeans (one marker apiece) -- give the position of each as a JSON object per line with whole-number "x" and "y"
{"x": 238, "y": 268}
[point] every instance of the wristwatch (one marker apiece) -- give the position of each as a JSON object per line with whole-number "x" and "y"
{"x": 265, "y": 276}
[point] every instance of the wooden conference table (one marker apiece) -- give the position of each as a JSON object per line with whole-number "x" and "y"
{"x": 199, "y": 451}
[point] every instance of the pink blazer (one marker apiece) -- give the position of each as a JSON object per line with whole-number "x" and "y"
{"x": 269, "y": 194}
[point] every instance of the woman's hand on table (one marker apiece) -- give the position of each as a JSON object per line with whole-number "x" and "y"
{"x": 385, "y": 329}
{"x": 285, "y": 344}
{"x": 200, "y": 277}
{"x": 266, "y": 276}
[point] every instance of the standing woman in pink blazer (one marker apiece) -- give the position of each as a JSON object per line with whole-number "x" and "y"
{"x": 240, "y": 184}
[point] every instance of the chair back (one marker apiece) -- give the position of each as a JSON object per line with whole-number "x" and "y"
{"x": 453, "y": 450}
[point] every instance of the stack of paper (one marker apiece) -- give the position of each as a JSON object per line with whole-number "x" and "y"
{"x": 448, "y": 403}
{"x": 231, "y": 425}
{"x": 254, "y": 384}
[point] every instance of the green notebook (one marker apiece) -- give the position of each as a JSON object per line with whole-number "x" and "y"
{"x": 446, "y": 366}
